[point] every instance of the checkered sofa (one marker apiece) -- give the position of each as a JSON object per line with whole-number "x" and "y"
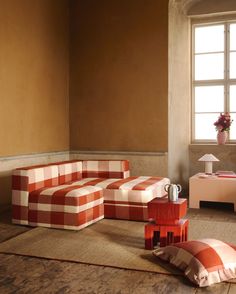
{"x": 75, "y": 194}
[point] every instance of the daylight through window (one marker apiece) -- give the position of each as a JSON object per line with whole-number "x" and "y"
{"x": 214, "y": 78}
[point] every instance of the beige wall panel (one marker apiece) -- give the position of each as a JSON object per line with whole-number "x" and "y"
{"x": 179, "y": 94}
{"x": 34, "y": 55}
{"x": 225, "y": 153}
{"x": 118, "y": 75}
{"x": 202, "y": 7}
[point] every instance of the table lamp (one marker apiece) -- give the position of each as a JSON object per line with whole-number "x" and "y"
{"x": 208, "y": 159}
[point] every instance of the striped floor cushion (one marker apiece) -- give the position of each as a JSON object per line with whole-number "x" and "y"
{"x": 66, "y": 206}
{"x": 204, "y": 262}
{"x": 128, "y": 198}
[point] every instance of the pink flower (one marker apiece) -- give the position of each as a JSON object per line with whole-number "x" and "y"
{"x": 223, "y": 123}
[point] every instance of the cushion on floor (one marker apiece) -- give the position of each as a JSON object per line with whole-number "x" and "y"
{"x": 204, "y": 262}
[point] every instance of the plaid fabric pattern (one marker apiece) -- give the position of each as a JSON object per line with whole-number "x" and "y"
{"x": 26, "y": 180}
{"x": 204, "y": 262}
{"x": 125, "y": 197}
{"x": 106, "y": 168}
{"x": 128, "y": 198}
{"x": 66, "y": 207}
{"x": 69, "y": 171}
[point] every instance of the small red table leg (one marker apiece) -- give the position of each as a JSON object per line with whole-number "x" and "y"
{"x": 151, "y": 235}
{"x": 148, "y": 237}
{"x": 163, "y": 236}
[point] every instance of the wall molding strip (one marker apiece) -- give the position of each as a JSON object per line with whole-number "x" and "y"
{"x": 127, "y": 153}
{"x": 33, "y": 155}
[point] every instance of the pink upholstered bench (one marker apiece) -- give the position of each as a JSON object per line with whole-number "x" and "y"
{"x": 128, "y": 198}
{"x": 66, "y": 207}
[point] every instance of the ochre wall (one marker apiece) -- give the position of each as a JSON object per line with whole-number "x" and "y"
{"x": 34, "y": 81}
{"x": 119, "y": 75}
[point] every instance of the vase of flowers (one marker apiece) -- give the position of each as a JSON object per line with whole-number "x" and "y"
{"x": 222, "y": 137}
{"x": 222, "y": 126}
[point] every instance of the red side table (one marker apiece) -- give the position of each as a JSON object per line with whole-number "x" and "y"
{"x": 168, "y": 226}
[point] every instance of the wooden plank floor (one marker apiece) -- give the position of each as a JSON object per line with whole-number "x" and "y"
{"x": 20, "y": 274}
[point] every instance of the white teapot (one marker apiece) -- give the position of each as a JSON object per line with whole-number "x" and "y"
{"x": 173, "y": 191}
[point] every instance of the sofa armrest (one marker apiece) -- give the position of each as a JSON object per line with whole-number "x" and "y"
{"x": 105, "y": 169}
{"x": 26, "y": 180}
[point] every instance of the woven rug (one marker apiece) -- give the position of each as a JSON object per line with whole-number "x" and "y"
{"x": 114, "y": 243}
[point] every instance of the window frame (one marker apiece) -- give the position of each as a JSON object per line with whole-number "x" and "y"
{"x": 225, "y": 82}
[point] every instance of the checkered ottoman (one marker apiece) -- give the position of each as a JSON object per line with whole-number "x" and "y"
{"x": 66, "y": 207}
{"x": 127, "y": 198}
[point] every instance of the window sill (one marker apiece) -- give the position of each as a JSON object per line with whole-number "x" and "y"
{"x": 211, "y": 147}
{"x": 211, "y": 144}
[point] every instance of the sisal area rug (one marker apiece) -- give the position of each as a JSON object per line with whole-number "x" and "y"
{"x": 114, "y": 243}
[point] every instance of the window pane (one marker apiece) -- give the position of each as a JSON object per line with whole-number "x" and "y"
{"x": 209, "y": 39}
{"x": 204, "y": 126}
{"x": 233, "y": 36}
{"x": 232, "y": 98}
{"x": 209, "y": 66}
{"x": 209, "y": 99}
{"x": 233, "y": 127}
{"x": 232, "y": 68}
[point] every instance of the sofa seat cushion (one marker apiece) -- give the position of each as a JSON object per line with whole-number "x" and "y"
{"x": 66, "y": 206}
{"x": 128, "y": 198}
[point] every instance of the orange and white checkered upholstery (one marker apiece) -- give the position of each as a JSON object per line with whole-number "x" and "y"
{"x": 127, "y": 198}
{"x": 204, "y": 262}
{"x": 69, "y": 171}
{"x": 66, "y": 207}
{"x": 26, "y": 180}
{"x": 124, "y": 197}
{"x": 106, "y": 169}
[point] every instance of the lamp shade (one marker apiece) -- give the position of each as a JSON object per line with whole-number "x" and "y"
{"x": 208, "y": 159}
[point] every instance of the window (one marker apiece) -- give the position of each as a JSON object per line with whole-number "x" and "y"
{"x": 214, "y": 78}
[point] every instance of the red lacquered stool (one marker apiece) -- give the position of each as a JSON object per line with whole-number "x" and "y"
{"x": 168, "y": 226}
{"x": 163, "y": 211}
{"x": 165, "y": 234}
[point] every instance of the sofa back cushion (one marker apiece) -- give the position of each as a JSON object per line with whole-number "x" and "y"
{"x": 69, "y": 171}
{"x": 35, "y": 177}
{"x": 106, "y": 169}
